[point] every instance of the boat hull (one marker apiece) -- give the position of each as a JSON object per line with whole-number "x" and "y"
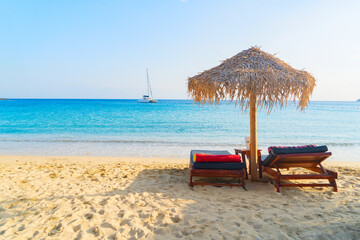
{"x": 147, "y": 101}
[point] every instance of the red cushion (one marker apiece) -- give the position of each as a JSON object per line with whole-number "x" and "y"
{"x": 216, "y": 158}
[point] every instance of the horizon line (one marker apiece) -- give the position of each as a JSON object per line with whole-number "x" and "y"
{"x": 35, "y": 98}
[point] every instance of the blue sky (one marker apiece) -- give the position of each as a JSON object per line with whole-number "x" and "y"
{"x": 100, "y": 49}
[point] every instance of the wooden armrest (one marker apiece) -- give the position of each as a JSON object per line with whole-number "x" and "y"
{"x": 237, "y": 150}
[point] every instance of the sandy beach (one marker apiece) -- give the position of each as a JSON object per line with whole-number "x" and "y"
{"x": 138, "y": 198}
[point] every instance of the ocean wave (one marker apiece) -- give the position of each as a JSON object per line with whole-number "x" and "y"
{"x": 164, "y": 142}
{"x": 114, "y": 141}
{"x": 342, "y": 144}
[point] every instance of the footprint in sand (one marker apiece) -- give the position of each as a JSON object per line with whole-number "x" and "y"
{"x": 93, "y": 209}
{"x": 96, "y": 231}
{"x": 21, "y": 228}
{"x": 101, "y": 212}
{"x": 175, "y": 219}
{"x": 56, "y": 229}
{"x": 104, "y": 202}
{"x": 77, "y": 228}
{"x": 79, "y": 236}
{"x": 186, "y": 231}
{"x": 35, "y": 233}
{"x": 157, "y": 217}
{"x": 108, "y": 225}
{"x": 121, "y": 214}
{"x": 158, "y": 230}
{"x": 144, "y": 215}
{"x": 125, "y": 222}
{"x": 89, "y": 216}
{"x": 238, "y": 224}
{"x": 136, "y": 233}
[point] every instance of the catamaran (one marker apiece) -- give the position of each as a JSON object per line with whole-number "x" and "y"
{"x": 149, "y": 97}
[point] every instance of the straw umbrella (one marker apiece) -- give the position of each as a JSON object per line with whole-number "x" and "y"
{"x": 253, "y": 78}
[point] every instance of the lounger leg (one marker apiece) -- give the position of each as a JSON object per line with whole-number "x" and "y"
{"x": 277, "y": 184}
{"x": 333, "y": 183}
{"x": 243, "y": 157}
{"x": 243, "y": 181}
{"x": 260, "y": 167}
{"x": 246, "y": 174}
{"x": 191, "y": 182}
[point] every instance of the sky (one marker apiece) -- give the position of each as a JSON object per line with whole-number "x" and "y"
{"x": 101, "y": 49}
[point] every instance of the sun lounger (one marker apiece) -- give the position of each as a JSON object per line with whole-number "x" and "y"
{"x": 309, "y": 157}
{"x": 220, "y": 168}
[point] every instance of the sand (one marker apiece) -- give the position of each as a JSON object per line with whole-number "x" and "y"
{"x": 129, "y": 198}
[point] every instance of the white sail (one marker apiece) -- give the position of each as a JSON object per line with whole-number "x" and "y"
{"x": 149, "y": 97}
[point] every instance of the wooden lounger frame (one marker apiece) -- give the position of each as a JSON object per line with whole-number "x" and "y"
{"x": 310, "y": 161}
{"x": 241, "y": 173}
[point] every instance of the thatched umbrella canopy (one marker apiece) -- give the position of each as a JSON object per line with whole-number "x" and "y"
{"x": 253, "y": 77}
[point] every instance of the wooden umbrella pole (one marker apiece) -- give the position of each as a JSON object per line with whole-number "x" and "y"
{"x": 253, "y": 141}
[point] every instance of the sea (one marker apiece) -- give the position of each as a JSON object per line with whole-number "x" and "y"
{"x": 169, "y": 128}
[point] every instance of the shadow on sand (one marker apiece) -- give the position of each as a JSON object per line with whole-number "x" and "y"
{"x": 157, "y": 203}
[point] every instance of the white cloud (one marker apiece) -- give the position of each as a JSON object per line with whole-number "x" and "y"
{"x": 355, "y": 55}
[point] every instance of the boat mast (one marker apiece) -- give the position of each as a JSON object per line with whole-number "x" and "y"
{"x": 148, "y": 84}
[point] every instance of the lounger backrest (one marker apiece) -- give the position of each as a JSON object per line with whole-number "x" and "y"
{"x": 306, "y": 160}
{"x": 297, "y": 149}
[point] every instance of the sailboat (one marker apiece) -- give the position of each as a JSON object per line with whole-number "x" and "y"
{"x": 149, "y": 97}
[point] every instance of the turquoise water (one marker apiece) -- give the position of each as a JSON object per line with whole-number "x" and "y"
{"x": 170, "y": 128}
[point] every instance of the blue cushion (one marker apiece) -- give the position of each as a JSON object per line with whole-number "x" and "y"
{"x": 219, "y": 165}
{"x": 293, "y": 150}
